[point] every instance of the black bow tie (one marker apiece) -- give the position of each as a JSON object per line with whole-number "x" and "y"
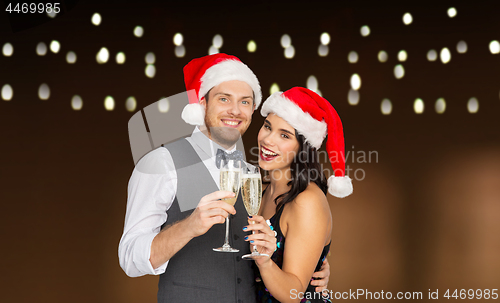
{"x": 223, "y": 156}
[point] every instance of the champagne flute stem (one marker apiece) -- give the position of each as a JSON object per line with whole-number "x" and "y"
{"x": 255, "y": 246}
{"x": 226, "y": 241}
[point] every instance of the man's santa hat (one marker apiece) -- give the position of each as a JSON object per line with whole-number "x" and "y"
{"x": 202, "y": 74}
{"x": 314, "y": 118}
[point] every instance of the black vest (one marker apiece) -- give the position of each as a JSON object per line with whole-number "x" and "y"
{"x": 196, "y": 273}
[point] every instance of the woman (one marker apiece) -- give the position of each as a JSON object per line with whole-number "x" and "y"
{"x": 295, "y": 201}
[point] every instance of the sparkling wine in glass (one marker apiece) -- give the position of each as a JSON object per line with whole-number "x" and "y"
{"x": 251, "y": 192}
{"x": 229, "y": 181}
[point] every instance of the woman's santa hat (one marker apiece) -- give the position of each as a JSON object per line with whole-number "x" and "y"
{"x": 202, "y": 74}
{"x": 314, "y": 118}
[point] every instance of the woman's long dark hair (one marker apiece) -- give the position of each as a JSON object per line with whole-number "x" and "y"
{"x": 304, "y": 168}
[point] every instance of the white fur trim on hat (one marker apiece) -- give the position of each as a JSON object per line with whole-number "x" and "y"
{"x": 313, "y": 130}
{"x": 226, "y": 71}
{"x": 340, "y": 187}
{"x": 194, "y": 114}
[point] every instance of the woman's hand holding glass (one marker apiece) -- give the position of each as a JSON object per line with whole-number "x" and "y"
{"x": 264, "y": 238}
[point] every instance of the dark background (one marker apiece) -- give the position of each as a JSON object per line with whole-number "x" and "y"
{"x": 425, "y": 216}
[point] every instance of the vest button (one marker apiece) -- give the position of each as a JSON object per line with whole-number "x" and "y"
{"x": 238, "y": 280}
{"x": 236, "y": 237}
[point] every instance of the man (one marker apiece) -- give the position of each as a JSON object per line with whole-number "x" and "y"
{"x": 168, "y": 179}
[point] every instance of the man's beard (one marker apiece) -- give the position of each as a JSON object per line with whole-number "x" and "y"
{"x": 224, "y": 136}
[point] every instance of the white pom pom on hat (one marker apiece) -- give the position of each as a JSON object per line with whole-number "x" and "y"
{"x": 315, "y": 118}
{"x": 202, "y": 74}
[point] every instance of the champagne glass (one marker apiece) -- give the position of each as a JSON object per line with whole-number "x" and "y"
{"x": 251, "y": 192}
{"x": 229, "y": 181}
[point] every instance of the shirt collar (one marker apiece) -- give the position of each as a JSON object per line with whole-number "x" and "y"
{"x": 207, "y": 145}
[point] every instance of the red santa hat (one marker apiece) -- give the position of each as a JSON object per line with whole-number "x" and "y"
{"x": 314, "y": 118}
{"x": 202, "y": 74}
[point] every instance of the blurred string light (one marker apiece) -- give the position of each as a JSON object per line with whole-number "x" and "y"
{"x": 365, "y": 31}
{"x": 213, "y": 50}
{"x": 353, "y": 97}
{"x": 180, "y": 51}
{"x": 96, "y": 19}
{"x": 7, "y": 92}
{"x": 462, "y": 47}
{"x": 352, "y": 57}
{"x": 445, "y": 55}
{"x": 432, "y": 55}
{"x": 494, "y": 47}
{"x": 150, "y": 71}
{"x": 8, "y": 49}
{"x": 407, "y": 19}
{"x": 178, "y": 39}
{"x": 52, "y": 14}
{"x": 41, "y": 49}
{"x": 355, "y": 82}
{"x": 120, "y": 58}
{"x": 325, "y": 38}
{"x": 76, "y": 102}
{"x": 55, "y": 46}
{"x": 440, "y": 105}
{"x": 150, "y": 58}
{"x": 286, "y": 41}
{"x": 402, "y": 56}
{"x": 138, "y": 31}
{"x": 102, "y": 56}
{"x": 44, "y": 92}
{"x": 274, "y": 88}
{"x": 251, "y": 46}
{"x": 452, "y": 12}
{"x": 418, "y": 106}
{"x": 289, "y": 52}
{"x": 71, "y": 57}
{"x": 386, "y": 107}
{"x": 473, "y": 105}
{"x": 163, "y": 105}
{"x": 109, "y": 103}
{"x": 399, "y": 71}
{"x": 312, "y": 83}
{"x": 382, "y": 56}
{"x": 323, "y": 50}
{"x": 131, "y": 104}
{"x": 217, "y": 41}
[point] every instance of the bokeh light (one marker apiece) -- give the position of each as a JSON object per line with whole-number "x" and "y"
{"x": 323, "y": 50}
{"x": 461, "y": 47}
{"x": 473, "y": 105}
{"x": 418, "y": 106}
{"x": 131, "y": 104}
{"x": 76, "y": 102}
{"x": 8, "y": 49}
{"x": 180, "y": 51}
{"x": 163, "y": 105}
{"x": 251, "y": 46}
{"x": 120, "y": 58}
{"x": 325, "y": 38}
{"x": 96, "y": 19}
{"x": 286, "y": 41}
{"x": 274, "y": 88}
{"x": 440, "y": 105}
{"x": 407, "y": 19}
{"x": 138, "y": 31}
{"x": 312, "y": 83}
{"x": 109, "y": 103}
{"x": 402, "y": 56}
{"x": 217, "y": 41}
{"x": 289, "y": 52}
{"x": 386, "y": 107}
{"x": 365, "y": 31}
{"x": 399, "y": 71}
{"x": 353, "y": 97}
{"x": 7, "y": 92}
{"x": 71, "y": 57}
{"x": 452, "y": 12}
{"x": 150, "y": 71}
{"x": 102, "y": 56}
{"x": 352, "y": 57}
{"x": 445, "y": 55}
{"x": 150, "y": 58}
{"x": 432, "y": 55}
{"x": 494, "y": 47}
{"x": 382, "y": 56}
{"x": 178, "y": 39}
{"x": 41, "y": 49}
{"x": 44, "y": 92}
{"x": 55, "y": 46}
{"x": 355, "y": 82}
